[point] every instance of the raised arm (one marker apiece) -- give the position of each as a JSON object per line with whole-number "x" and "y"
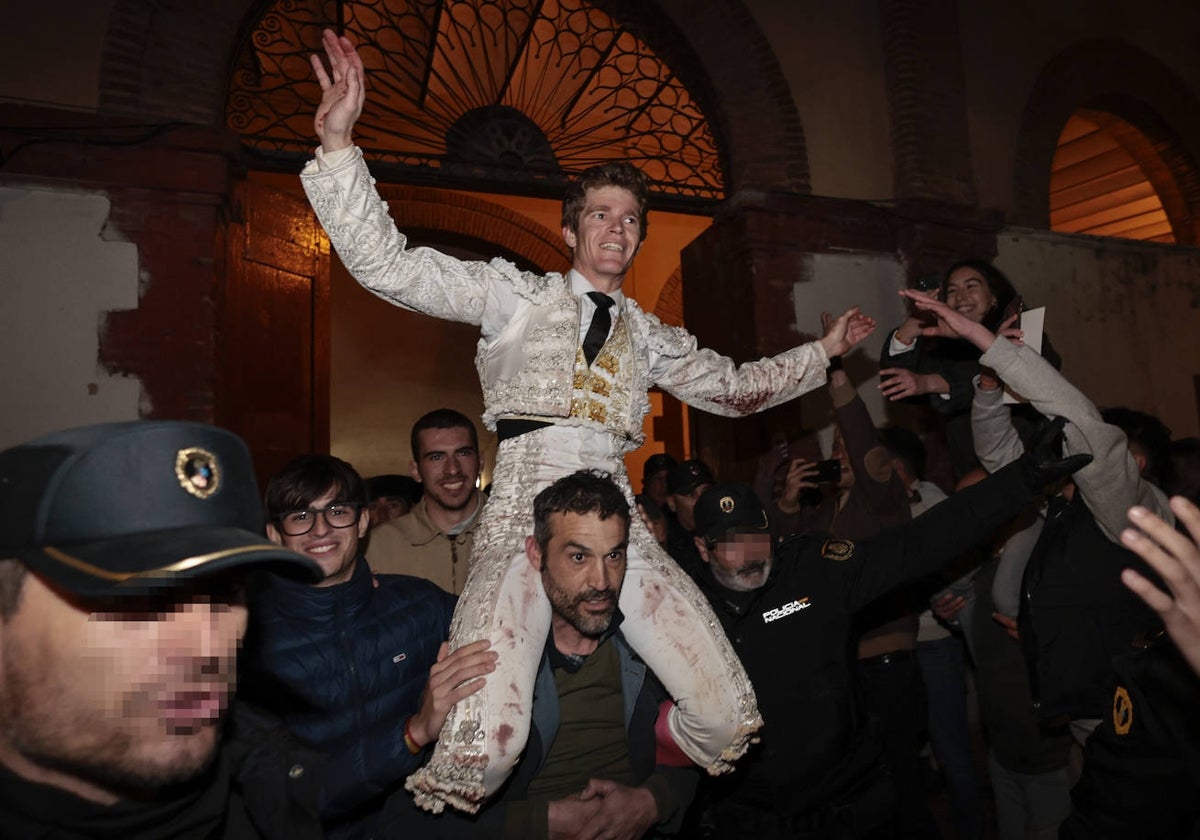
{"x": 951, "y": 324}
{"x": 996, "y": 440}
{"x": 901, "y": 554}
{"x": 709, "y": 381}
{"x": 343, "y": 195}
{"x": 1112, "y": 483}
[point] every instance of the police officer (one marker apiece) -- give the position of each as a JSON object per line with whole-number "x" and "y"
{"x": 817, "y": 771}
{"x": 124, "y": 548}
{"x": 1141, "y": 766}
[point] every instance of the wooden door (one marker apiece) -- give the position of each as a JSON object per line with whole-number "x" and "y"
{"x": 274, "y": 327}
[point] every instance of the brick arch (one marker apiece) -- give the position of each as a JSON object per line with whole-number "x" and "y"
{"x": 727, "y": 63}
{"x": 1123, "y": 80}
{"x": 480, "y": 220}
{"x": 171, "y": 62}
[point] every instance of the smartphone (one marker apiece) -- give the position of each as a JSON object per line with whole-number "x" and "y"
{"x": 930, "y": 284}
{"x": 1015, "y": 307}
{"x": 829, "y": 471}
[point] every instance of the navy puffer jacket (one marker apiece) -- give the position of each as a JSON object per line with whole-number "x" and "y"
{"x": 344, "y": 667}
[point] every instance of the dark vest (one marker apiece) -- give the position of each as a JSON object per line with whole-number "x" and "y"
{"x": 1076, "y": 615}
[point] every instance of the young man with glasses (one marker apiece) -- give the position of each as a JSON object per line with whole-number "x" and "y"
{"x": 355, "y": 664}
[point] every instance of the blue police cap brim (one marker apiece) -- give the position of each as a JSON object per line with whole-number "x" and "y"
{"x": 141, "y": 564}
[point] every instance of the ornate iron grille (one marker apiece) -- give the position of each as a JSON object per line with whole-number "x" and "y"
{"x": 481, "y": 91}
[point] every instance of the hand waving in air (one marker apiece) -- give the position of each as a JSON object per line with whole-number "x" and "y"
{"x": 1177, "y": 559}
{"x": 845, "y": 331}
{"x": 342, "y": 97}
{"x": 952, "y": 324}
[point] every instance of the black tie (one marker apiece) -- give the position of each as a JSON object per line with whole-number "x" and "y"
{"x": 598, "y": 330}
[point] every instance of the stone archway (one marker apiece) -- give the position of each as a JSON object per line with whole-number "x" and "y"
{"x": 1123, "y": 80}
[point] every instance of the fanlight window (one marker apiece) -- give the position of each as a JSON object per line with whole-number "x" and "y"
{"x": 474, "y": 91}
{"x": 1098, "y": 187}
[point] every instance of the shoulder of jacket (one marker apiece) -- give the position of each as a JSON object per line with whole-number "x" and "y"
{"x": 534, "y": 287}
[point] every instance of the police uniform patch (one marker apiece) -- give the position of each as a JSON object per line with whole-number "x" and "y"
{"x": 197, "y": 471}
{"x": 837, "y": 550}
{"x": 726, "y": 504}
{"x": 1122, "y": 711}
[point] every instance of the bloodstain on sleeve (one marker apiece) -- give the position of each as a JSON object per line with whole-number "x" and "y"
{"x": 748, "y": 403}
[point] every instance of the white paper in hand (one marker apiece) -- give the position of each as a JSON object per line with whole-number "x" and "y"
{"x": 1032, "y": 323}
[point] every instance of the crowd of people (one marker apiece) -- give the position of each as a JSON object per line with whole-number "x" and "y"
{"x": 408, "y": 656}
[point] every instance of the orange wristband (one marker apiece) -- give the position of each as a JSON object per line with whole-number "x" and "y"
{"x": 409, "y": 740}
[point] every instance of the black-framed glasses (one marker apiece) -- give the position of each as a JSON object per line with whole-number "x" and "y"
{"x": 296, "y": 523}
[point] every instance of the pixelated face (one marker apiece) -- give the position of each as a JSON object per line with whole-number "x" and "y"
{"x": 582, "y": 567}
{"x": 335, "y": 550}
{"x": 684, "y": 506}
{"x": 447, "y": 467}
{"x": 127, "y": 699}
{"x": 968, "y": 293}
{"x": 740, "y": 562}
{"x": 608, "y": 237}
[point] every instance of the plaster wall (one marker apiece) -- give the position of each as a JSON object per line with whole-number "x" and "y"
{"x": 833, "y": 283}
{"x": 1123, "y": 316}
{"x": 61, "y": 268}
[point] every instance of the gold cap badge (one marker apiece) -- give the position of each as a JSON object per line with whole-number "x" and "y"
{"x": 197, "y": 471}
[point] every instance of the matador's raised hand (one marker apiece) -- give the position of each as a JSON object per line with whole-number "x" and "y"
{"x": 342, "y": 97}
{"x": 845, "y": 331}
